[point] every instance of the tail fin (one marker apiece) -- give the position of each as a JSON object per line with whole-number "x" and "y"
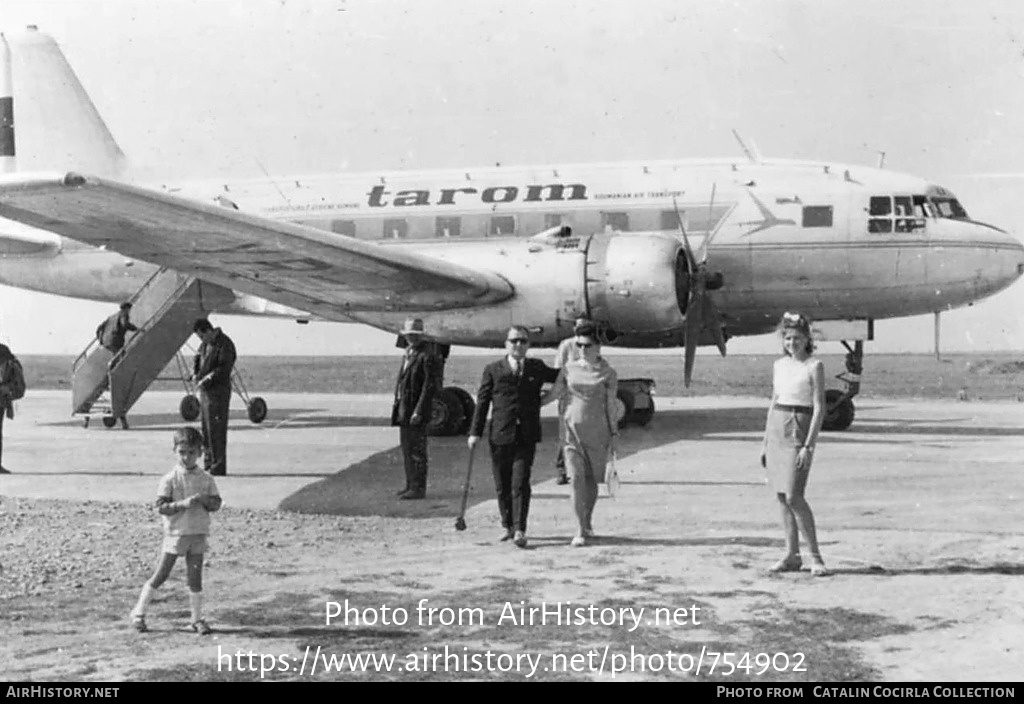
{"x": 55, "y": 124}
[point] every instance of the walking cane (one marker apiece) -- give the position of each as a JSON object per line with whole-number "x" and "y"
{"x": 460, "y": 522}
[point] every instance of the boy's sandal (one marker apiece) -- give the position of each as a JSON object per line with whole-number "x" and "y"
{"x": 139, "y": 623}
{"x": 818, "y": 569}
{"x": 787, "y": 564}
{"x": 202, "y": 628}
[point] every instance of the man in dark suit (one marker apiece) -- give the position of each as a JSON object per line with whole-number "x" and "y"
{"x": 212, "y": 372}
{"x": 414, "y": 395}
{"x": 513, "y": 386}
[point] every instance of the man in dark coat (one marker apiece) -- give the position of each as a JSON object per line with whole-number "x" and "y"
{"x": 212, "y": 372}
{"x": 513, "y": 385}
{"x": 11, "y": 380}
{"x": 414, "y": 395}
{"x": 112, "y": 331}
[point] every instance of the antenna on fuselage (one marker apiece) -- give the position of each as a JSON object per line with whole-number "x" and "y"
{"x": 881, "y": 159}
{"x": 272, "y": 181}
{"x": 752, "y": 153}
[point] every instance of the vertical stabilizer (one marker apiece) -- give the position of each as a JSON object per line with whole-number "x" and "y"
{"x": 58, "y": 127}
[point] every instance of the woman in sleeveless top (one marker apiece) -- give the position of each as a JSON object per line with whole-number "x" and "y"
{"x": 590, "y": 423}
{"x": 794, "y": 421}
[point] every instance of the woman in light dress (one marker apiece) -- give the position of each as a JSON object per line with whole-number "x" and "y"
{"x": 791, "y": 430}
{"x": 590, "y": 421}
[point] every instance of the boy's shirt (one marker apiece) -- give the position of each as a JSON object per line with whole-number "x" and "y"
{"x": 179, "y": 484}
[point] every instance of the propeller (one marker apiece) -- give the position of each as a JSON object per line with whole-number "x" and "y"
{"x": 701, "y": 311}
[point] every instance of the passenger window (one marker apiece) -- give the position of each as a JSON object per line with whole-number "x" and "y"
{"x": 503, "y": 225}
{"x": 395, "y": 229}
{"x": 880, "y": 205}
{"x": 553, "y": 220}
{"x": 669, "y": 221}
{"x": 448, "y": 227}
{"x": 817, "y": 216}
{"x": 344, "y": 227}
{"x": 615, "y": 221}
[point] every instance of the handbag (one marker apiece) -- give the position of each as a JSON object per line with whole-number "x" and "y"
{"x": 611, "y": 477}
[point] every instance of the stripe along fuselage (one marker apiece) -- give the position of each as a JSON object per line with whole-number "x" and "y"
{"x": 834, "y": 241}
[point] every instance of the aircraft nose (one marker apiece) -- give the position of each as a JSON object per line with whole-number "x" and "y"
{"x": 1012, "y": 251}
{"x": 972, "y": 260}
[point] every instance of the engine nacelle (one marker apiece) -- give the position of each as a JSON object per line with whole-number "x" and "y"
{"x": 637, "y": 282}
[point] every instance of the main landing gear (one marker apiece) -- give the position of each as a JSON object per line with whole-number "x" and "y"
{"x": 839, "y": 410}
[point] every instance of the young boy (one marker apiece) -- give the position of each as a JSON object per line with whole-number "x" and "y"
{"x": 186, "y": 497}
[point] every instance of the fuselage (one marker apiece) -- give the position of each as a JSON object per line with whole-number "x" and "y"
{"x": 830, "y": 240}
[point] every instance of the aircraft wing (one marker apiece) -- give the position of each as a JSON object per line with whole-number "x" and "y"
{"x": 306, "y": 268}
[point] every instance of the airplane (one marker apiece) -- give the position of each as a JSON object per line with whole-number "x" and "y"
{"x": 668, "y": 253}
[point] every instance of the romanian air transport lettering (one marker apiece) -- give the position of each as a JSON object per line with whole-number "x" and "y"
{"x": 494, "y": 194}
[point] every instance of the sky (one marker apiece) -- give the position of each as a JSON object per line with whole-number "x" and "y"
{"x": 240, "y": 88}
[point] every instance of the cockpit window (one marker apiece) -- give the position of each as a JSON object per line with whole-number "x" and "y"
{"x": 880, "y": 205}
{"x": 898, "y": 213}
{"x": 949, "y": 208}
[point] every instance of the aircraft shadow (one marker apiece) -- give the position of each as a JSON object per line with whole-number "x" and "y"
{"x": 368, "y": 487}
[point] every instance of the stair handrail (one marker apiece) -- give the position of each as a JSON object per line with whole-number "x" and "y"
{"x": 150, "y": 322}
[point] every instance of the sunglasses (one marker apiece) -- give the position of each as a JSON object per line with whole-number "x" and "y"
{"x": 584, "y": 345}
{"x": 518, "y": 340}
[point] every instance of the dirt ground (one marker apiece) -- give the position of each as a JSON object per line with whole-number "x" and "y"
{"x": 917, "y": 507}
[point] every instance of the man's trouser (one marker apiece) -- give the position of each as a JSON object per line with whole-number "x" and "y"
{"x": 511, "y": 465}
{"x": 413, "y": 439}
{"x": 215, "y": 404}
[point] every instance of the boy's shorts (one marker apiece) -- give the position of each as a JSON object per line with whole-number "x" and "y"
{"x": 185, "y": 544}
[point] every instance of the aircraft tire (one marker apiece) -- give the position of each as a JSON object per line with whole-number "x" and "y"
{"x": 643, "y": 416}
{"x": 448, "y": 415}
{"x": 257, "y": 409}
{"x": 109, "y": 421}
{"x": 624, "y": 406}
{"x": 840, "y": 417}
{"x": 189, "y": 407}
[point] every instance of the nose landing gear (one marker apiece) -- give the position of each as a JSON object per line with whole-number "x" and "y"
{"x": 839, "y": 409}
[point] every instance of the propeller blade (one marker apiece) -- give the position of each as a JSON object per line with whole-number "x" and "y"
{"x": 713, "y": 321}
{"x": 682, "y": 230}
{"x": 691, "y": 329}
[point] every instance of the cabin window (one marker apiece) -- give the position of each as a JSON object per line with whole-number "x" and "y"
{"x": 618, "y": 222}
{"x": 395, "y": 229}
{"x": 448, "y": 227}
{"x": 669, "y": 220}
{"x": 344, "y": 227}
{"x": 553, "y": 220}
{"x": 503, "y": 225}
{"x": 817, "y": 216}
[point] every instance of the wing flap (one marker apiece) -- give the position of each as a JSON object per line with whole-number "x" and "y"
{"x": 306, "y": 268}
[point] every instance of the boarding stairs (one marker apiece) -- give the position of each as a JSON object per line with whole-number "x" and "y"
{"x": 164, "y": 310}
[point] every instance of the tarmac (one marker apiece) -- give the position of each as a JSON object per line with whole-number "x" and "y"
{"x": 928, "y": 492}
